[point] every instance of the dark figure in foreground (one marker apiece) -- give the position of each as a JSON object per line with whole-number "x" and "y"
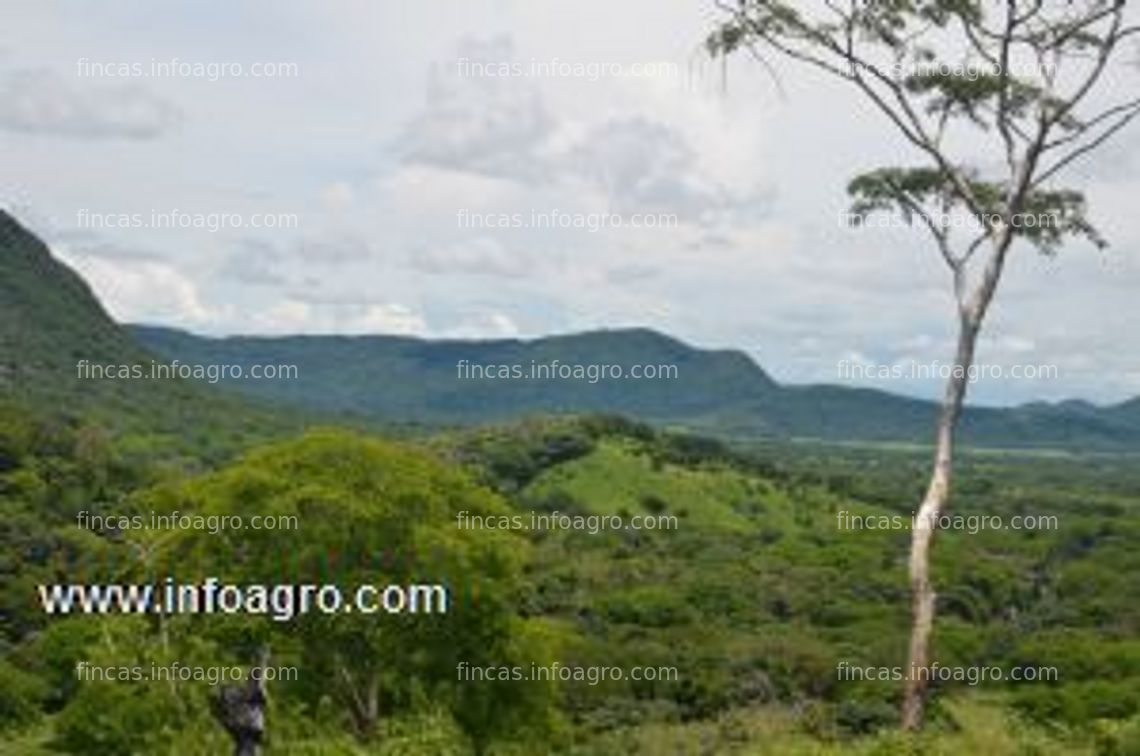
{"x": 240, "y": 708}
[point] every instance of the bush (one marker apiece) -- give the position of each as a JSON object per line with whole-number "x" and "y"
{"x": 21, "y": 696}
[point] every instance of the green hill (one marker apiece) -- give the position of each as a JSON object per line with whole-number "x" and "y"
{"x": 401, "y": 379}
{"x": 50, "y": 321}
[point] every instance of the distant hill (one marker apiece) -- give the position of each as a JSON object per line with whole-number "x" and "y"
{"x": 50, "y": 320}
{"x": 402, "y": 379}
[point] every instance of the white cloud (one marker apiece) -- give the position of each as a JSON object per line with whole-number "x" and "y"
{"x": 503, "y": 126}
{"x": 483, "y": 325}
{"x": 481, "y": 256}
{"x": 297, "y": 317}
{"x": 483, "y": 124}
{"x": 39, "y": 101}
{"x": 139, "y": 290}
{"x": 644, "y": 165}
{"x": 385, "y": 318}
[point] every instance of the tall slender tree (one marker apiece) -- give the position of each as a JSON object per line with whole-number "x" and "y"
{"x": 997, "y": 99}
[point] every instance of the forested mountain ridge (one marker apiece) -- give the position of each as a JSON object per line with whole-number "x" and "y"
{"x": 719, "y": 392}
{"x": 50, "y": 321}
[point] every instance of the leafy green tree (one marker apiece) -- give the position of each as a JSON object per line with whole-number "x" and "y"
{"x": 963, "y": 82}
{"x": 369, "y": 512}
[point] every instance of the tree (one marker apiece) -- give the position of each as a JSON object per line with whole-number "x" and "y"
{"x": 1022, "y": 78}
{"x": 365, "y": 512}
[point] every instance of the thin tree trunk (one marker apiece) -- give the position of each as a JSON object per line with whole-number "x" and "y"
{"x": 922, "y": 534}
{"x": 363, "y": 702}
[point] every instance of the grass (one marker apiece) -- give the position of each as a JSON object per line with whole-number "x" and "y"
{"x": 977, "y": 724}
{"x": 617, "y": 479}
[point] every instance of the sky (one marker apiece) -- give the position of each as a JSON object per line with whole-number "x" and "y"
{"x": 476, "y": 169}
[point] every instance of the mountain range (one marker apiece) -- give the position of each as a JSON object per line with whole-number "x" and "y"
{"x": 725, "y": 393}
{"x": 49, "y": 319}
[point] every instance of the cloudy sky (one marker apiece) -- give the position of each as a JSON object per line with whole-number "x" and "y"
{"x": 381, "y": 143}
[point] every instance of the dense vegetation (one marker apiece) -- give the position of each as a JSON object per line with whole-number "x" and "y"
{"x": 755, "y": 596}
